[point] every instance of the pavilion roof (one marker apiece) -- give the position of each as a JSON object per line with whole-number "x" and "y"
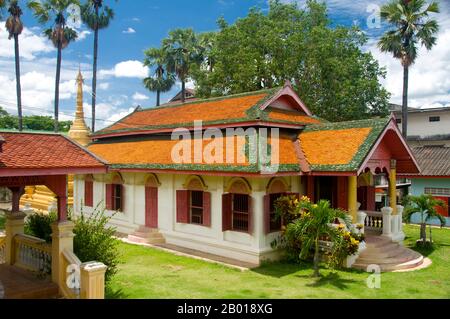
{"x": 37, "y": 152}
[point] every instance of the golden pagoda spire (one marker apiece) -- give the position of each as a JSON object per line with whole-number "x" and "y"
{"x": 79, "y": 131}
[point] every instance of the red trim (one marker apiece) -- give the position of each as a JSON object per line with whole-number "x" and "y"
{"x": 391, "y": 126}
{"x": 208, "y": 173}
{"x": 182, "y": 206}
{"x": 5, "y": 172}
{"x": 191, "y": 128}
{"x": 89, "y": 193}
{"x": 227, "y": 211}
{"x": 151, "y": 207}
{"x": 206, "y": 209}
{"x": 333, "y": 174}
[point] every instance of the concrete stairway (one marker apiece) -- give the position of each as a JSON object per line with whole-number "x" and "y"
{"x": 16, "y": 283}
{"x": 146, "y": 235}
{"x": 388, "y": 255}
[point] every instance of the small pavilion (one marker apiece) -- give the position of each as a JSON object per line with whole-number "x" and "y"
{"x": 28, "y": 159}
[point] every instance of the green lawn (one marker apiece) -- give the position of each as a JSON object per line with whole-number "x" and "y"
{"x": 150, "y": 273}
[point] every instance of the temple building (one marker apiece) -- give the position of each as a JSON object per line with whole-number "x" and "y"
{"x": 40, "y": 197}
{"x": 168, "y": 179}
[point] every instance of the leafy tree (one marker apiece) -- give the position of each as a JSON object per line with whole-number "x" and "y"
{"x": 326, "y": 65}
{"x": 14, "y": 26}
{"x": 162, "y": 81}
{"x": 59, "y": 33}
{"x": 96, "y": 16}
{"x": 412, "y": 26}
{"x": 425, "y": 206}
{"x": 182, "y": 51}
{"x": 34, "y": 122}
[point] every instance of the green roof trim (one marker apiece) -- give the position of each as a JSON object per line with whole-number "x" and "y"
{"x": 377, "y": 125}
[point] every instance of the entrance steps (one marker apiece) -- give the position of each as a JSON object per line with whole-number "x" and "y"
{"x": 388, "y": 255}
{"x": 144, "y": 235}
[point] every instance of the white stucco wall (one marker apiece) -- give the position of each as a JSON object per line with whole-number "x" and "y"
{"x": 420, "y": 125}
{"x": 238, "y": 245}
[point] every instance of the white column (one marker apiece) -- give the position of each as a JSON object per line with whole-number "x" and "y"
{"x": 387, "y": 213}
{"x": 400, "y": 236}
{"x": 360, "y": 219}
{"x": 258, "y": 219}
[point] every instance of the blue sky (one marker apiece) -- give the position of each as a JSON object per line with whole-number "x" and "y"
{"x": 140, "y": 24}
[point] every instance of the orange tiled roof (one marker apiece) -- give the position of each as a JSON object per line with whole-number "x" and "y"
{"x": 158, "y": 152}
{"x": 40, "y": 151}
{"x": 290, "y": 116}
{"x": 333, "y": 147}
{"x": 208, "y": 111}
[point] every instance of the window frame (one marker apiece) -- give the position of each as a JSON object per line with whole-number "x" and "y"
{"x": 434, "y": 119}
{"x": 234, "y": 211}
{"x": 117, "y": 206}
{"x": 191, "y": 207}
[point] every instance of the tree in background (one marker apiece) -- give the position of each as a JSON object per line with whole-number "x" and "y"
{"x": 182, "y": 51}
{"x": 59, "y": 33}
{"x": 161, "y": 81}
{"x": 33, "y": 122}
{"x": 326, "y": 65}
{"x": 14, "y": 26}
{"x": 96, "y": 16}
{"x": 412, "y": 26}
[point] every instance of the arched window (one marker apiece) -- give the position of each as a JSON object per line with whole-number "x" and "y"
{"x": 276, "y": 188}
{"x": 237, "y": 207}
{"x": 194, "y": 203}
{"x": 115, "y": 194}
{"x": 89, "y": 191}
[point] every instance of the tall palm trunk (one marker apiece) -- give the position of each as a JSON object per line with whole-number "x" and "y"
{"x": 94, "y": 74}
{"x": 158, "y": 97}
{"x": 58, "y": 78}
{"x": 405, "y": 101}
{"x": 183, "y": 91}
{"x": 18, "y": 86}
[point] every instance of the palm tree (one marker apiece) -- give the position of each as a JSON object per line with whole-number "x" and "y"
{"x": 96, "y": 16}
{"x": 425, "y": 206}
{"x": 412, "y": 26}
{"x": 14, "y": 26}
{"x": 182, "y": 50}
{"x": 162, "y": 81}
{"x": 59, "y": 33}
{"x": 315, "y": 223}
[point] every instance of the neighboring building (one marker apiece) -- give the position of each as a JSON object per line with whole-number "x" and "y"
{"x": 429, "y": 138}
{"x": 426, "y": 126}
{"x": 435, "y": 175}
{"x": 227, "y": 207}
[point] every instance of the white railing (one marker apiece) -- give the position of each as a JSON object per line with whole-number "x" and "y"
{"x": 32, "y": 254}
{"x": 2, "y": 249}
{"x": 373, "y": 221}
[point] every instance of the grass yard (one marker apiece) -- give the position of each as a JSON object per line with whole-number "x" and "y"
{"x": 150, "y": 273}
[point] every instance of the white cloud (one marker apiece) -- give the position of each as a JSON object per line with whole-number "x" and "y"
{"x": 126, "y": 69}
{"x": 140, "y": 97}
{"x": 83, "y": 34}
{"x": 104, "y": 86}
{"x": 31, "y": 45}
{"x": 129, "y": 31}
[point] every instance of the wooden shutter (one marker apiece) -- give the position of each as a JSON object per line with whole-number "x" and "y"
{"x": 109, "y": 197}
{"x": 267, "y": 214}
{"x": 182, "y": 206}
{"x": 206, "y": 209}
{"x": 151, "y": 207}
{"x": 251, "y": 218}
{"x": 89, "y": 193}
{"x": 226, "y": 211}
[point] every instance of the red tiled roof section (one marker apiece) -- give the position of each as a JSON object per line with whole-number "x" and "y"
{"x": 27, "y": 150}
{"x": 207, "y": 111}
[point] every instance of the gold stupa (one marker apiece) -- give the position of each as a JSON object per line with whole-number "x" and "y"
{"x": 39, "y": 197}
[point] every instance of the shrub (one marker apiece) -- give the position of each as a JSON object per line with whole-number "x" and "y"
{"x": 40, "y": 225}
{"x": 94, "y": 241}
